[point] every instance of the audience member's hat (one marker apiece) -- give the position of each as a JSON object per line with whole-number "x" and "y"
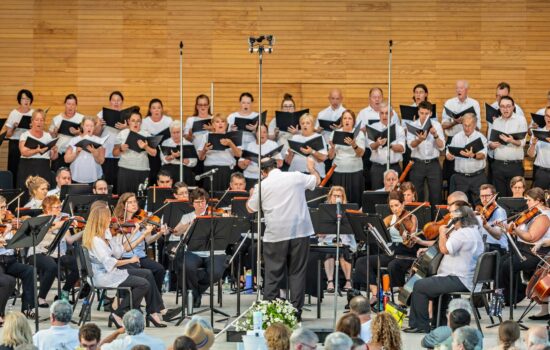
{"x": 203, "y": 337}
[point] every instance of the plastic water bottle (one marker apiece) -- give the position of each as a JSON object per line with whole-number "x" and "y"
{"x": 166, "y": 282}
{"x": 248, "y": 283}
{"x": 85, "y": 305}
{"x": 497, "y": 302}
{"x": 64, "y": 295}
{"x": 257, "y": 320}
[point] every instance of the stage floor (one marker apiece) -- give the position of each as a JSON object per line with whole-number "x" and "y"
{"x": 410, "y": 341}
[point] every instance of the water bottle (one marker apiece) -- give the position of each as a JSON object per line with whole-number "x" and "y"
{"x": 495, "y": 307}
{"x": 166, "y": 282}
{"x": 64, "y": 295}
{"x": 257, "y": 320}
{"x": 85, "y": 306}
{"x": 248, "y": 283}
{"x": 189, "y": 302}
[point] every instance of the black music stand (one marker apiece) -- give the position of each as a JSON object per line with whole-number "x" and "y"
{"x": 56, "y": 244}
{"x": 227, "y": 196}
{"x": 371, "y": 198}
{"x": 512, "y": 205}
{"x": 370, "y": 229}
{"x": 238, "y": 208}
{"x": 317, "y": 196}
{"x": 10, "y": 195}
{"x": 79, "y": 205}
{"x": 173, "y": 212}
{"x": 156, "y": 197}
{"x": 74, "y": 189}
{"x": 30, "y": 234}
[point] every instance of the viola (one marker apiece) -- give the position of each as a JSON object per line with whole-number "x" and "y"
{"x": 78, "y": 221}
{"x": 431, "y": 229}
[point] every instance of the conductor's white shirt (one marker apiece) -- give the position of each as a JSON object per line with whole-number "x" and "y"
{"x": 284, "y": 205}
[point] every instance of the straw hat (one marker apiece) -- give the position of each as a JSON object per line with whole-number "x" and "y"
{"x": 203, "y": 337}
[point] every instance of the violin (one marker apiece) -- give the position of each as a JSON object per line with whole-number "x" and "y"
{"x": 11, "y": 219}
{"x": 431, "y": 229}
{"x": 405, "y": 225}
{"x": 78, "y": 221}
{"x": 486, "y": 211}
{"x": 524, "y": 218}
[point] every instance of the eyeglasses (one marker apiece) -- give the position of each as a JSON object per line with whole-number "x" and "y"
{"x": 203, "y": 104}
{"x": 199, "y": 201}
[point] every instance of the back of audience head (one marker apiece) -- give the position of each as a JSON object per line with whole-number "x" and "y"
{"x": 200, "y": 331}
{"x": 277, "y": 336}
{"x": 140, "y": 347}
{"x": 16, "y": 330}
{"x": 385, "y": 331}
{"x": 61, "y": 312}
{"x": 349, "y": 324}
{"x": 89, "y": 336}
{"x": 134, "y": 322}
{"x": 466, "y": 338}
{"x": 508, "y": 334}
{"x": 459, "y": 303}
{"x": 459, "y": 318}
{"x": 358, "y": 344}
{"x": 536, "y": 335}
{"x": 338, "y": 341}
{"x": 303, "y": 338}
{"x": 184, "y": 343}
{"x": 359, "y": 305}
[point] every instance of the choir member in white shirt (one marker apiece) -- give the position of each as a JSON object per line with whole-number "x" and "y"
{"x": 154, "y": 123}
{"x": 24, "y": 99}
{"x": 133, "y": 167}
{"x": 347, "y": 158}
{"x": 224, "y": 160}
{"x": 379, "y": 149}
{"x": 110, "y": 166}
{"x": 508, "y": 158}
{"x": 245, "y": 112}
{"x": 420, "y": 94}
{"x": 35, "y": 161}
{"x": 297, "y": 161}
{"x": 503, "y": 89}
{"x": 470, "y": 168}
{"x": 202, "y": 112}
{"x": 540, "y": 150}
{"x": 70, "y": 114}
{"x": 171, "y": 163}
{"x": 461, "y": 250}
{"x": 425, "y": 150}
{"x": 331, "y": 113}
{"x": 38, "y": 190}
{"x": 86, "y": 163}
{"x": 250, "y": 168}
{"x": 282, "y": 136}
{"x": 541, "y": 111}
{"x": 531, "y": 235}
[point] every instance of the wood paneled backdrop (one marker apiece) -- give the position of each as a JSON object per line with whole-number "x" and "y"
{"x": 92, "y": 47}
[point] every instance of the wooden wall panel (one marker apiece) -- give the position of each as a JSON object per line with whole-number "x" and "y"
{"x": 92, "y": 47}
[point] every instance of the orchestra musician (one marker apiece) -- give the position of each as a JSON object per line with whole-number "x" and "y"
{"x": 100, "y": 187}
{"x": 245, "y": 112}
{"x": 154, "y": 123}
{"x": 460, "y": 248}
{"x": 10, "y": 268}
{"x": 196, "y": 281}
{"x": 425, "y": 150}
{"x": 164, "y": 179}
{"x": 250, "y": 167}
{"x": 380, "y": 149}
{"x": 86, "y": 166}
{"x": 224, "y": 160}
{"x": 297, "y": 161}
{"x": 70, "y": 114}
{"x": 491, "y": 213}
{"x": 518, "y": 185}
{"x": 470, "y": 167}
{"x": 348, "y": 242}
{"x": 540, "y": 150}
{"x": 391, "y": 180}
{"x": 531, "y": 228}
{"x": 409, "y": 192}
{"x": 133, "y": 167}
{"x": 62, "y": 177}
{"x": 46, "y": 265}
{"x": 108, "y": 268}
{"x": 508, "y": 158}
{"x": 288, "y": 226}
{"x": 13, "y": 133}
{"x": 172, "y": 161}
{"x": 35, "y": 161}
{"x": 110, "y": 166}
{"x": 181, "y": 191}
{"x": 347, "y": 158}
{"x": 38, "y": 190}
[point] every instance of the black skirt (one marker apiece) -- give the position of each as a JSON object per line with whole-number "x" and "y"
{"x": 250, "y": 183}
{"x": 33, "y": 167}
{"x": 353, "y": 183}
{"x": 174, "y": 170}
{"x": 129, "y": 180}
{"x": 13, "y": 158}
{"x": 154, "y": 167}
{"x": 110, "y": 172}
{"x": 220, "y": 180}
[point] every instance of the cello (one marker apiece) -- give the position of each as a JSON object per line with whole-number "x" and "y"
{"x": 538, "y": 288}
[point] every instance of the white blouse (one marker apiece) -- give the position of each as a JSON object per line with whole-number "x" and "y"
{"x": 346, "y": 159}
{"x": 131, "y": 159}
{"x": 380, "y": 155}
{"x": 171, "y": 143}
{"x": 247, "y": 135}
{"x": 189, "y": 128}
{"x": 15, "y": 117}
{"x": 63, "y": 140}
{"x": 216, "y": 158}
{"x": 252, "y": 171}
{"x": 153, "y": 127}
{"x": 299, "y": 162}
{"x": 84, "y": 168}
{"x": 45, "y": 139}
{"x": 106, "y": 273}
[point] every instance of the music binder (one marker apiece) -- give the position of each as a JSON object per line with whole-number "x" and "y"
{"x": 198, "y": 125}
{"x": 284, "y": 120}
{"x": 315, "y": 143}
{"x": 410, "y": 113}
{"x": 495, "y": 136}
{"x": 164, "y": 133}
{"x": 374, "y": 134}
{"x": 541, "y": 135}
{"x": 65, "y": 126}
{"x": 538, "y": 119}
{"x": 214, "y": 139}
{"x": 25, "y": 122}
{"x": 2, "y": 122}
{"x": 339, "y": 136}
{"x": 254, "y": 156}
{"x": 459, "y": 114}
{"x": 328, "y": 125}
{"x": 416, "y": 130}
{"x": 133, "y": 137}
{"x": 491, "y": 113}
{"x": 33, "y": 143}
{"x": 93, "y": 141}
{"x": 476, "y": 146}
{"x": 189, "y": 151}
{"x": 111, "y": 116}
{"x": 242, "y": 123}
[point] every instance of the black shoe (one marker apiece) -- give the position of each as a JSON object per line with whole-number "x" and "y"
{"x": 540, "y": 318}
{"x": 150, "y": 319}
{"x": 112, "y": 320}
{"x": 299, "y": 315}
{"x": 84, "y": 291}
{"x": 414, "y": 330}
{"x": 29, "y": 314}
{"x": 196, "y": 302}
{"x": 44, "y": 305}
{"x": 171, "y": 314}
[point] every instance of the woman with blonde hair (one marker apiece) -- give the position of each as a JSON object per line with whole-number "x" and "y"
{"x": 298, "y": 161}
{"x": 17, "y": 332}
{"x": 277, "y": 337}
{"x": 38, "y": 190}
{"x": 385, "y": 333}
{"x": 105, "y": 255}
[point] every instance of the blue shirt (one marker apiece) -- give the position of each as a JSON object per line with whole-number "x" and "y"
{"x": 129, "y": 341}
{"x": 57, "y": 337}
{"x": 139, "y": 250}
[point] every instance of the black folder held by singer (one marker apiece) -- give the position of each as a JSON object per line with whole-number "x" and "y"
{"x": 112, "y": 116}
{"x": 538, "y": 119}
{"x": 285, "y": 120}
{"x": 254, "y": 156}
{"x": 215, "y": 139}
{"x": 133, "y": 137}
{"x": 459, "y": 114}
{"x": 541, "y": 135}
{"x": 475, "y": 146}
{"x": 410, "y": 113}
{"x": 374, "y": 134}
{"x": 495, "y": 136}
{"x": 93, "y": 141}
{"x": 328, "y": 125}
{"x": 242, "y": 123}
{"x": 315, "y": 143}
{"x": 33, "y": 143}
{"x": 189, "y": 151}
{"x": 65, "y": 128}
{"x": 491, "y": 113}
{"x": 339, "y": 136}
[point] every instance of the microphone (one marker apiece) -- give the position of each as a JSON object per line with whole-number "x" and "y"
{"x": 206, "y": 174}
{"x": 339, "y": 208}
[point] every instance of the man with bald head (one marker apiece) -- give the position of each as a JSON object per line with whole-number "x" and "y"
{"x": 332, "y": 113}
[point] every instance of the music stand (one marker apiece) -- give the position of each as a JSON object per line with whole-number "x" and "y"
{"x": 172, "y": 213}
{"x": 30, "y": 234}
{"x": 79, "y": 205}
{"x": 156, "y": 197}
{"x": 28, "y": 212}
{"x": 227, "y": 196}
{"x": 370, "y": 229}
{"x": 238, "y": 208}
{"x": 512, "y": 205}
{"x": 316, "y": 197}
{"x": 74, "y": 189}
{"x": 371, "y": 198}
{"x": 56, "y": 244}
{"x": 10, "y": 195}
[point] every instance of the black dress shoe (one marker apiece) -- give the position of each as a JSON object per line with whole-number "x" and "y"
{"x": 414, "y": 330}
{"x": 540, "y": 318}
{"x": 171, "y": 314}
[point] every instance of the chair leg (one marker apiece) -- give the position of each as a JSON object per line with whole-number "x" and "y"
{"x": 476, "y": 314}
{"x": 438, "y": 313}
{"x": 101, "y": 298}
{"x": 220, "y": 291}
{"x": 486, "y": 303}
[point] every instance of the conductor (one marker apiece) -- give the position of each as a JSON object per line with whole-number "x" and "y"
{"x": 287, "y": 227}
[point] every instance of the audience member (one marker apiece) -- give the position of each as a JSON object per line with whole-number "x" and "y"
{"x": 134, "y": 326}
{"x": 200, "y": 331}
{"x": 277, "y": 337}
{"x": 60, "y": 335}
{"x": 338, "y": 341}
{"x": 184, "y": 343}
{"x": 536, "y": 338}
{"x": 457, "y": 319}
{"x": 466, "y": 338}
{"x": 441, "y": 333}
{"x": 508, "y": 334}
{"x": 359, "y": 305}
{"x": 303, "y": 339}
{"x": 140, "y": 347}
{"x": 385, "y": 333}
{"x": 89, "y": 336}
{"x": 349, "y": 324}
{"x": 358, "y": 344}
{"x": 17, "y": 331}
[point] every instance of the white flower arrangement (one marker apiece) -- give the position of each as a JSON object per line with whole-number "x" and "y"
{"x": 274, "y": 311}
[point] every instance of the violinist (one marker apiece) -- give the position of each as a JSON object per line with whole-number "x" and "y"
{"x": 46, "y": 264}
{"x": 198, "y": 283}
{"x": 10, "y": 268}
{"x": 38, "y": 190}
{"x": 62, "y": 177}
{"x": 100, "y": 187}
{"x": 127, "y": 211}
{"x": 491, "y": 213}
{"x": 164, "y": 179}
{"x": 531, "y": 228}
{"x": 518, "y": 186}
{"x": 460, "y": 249}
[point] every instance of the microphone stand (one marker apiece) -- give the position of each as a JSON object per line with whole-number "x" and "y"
{"x": 389, "y": 106}
{"x": 337, "y": 259}
{"x": 181, "y": 111}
